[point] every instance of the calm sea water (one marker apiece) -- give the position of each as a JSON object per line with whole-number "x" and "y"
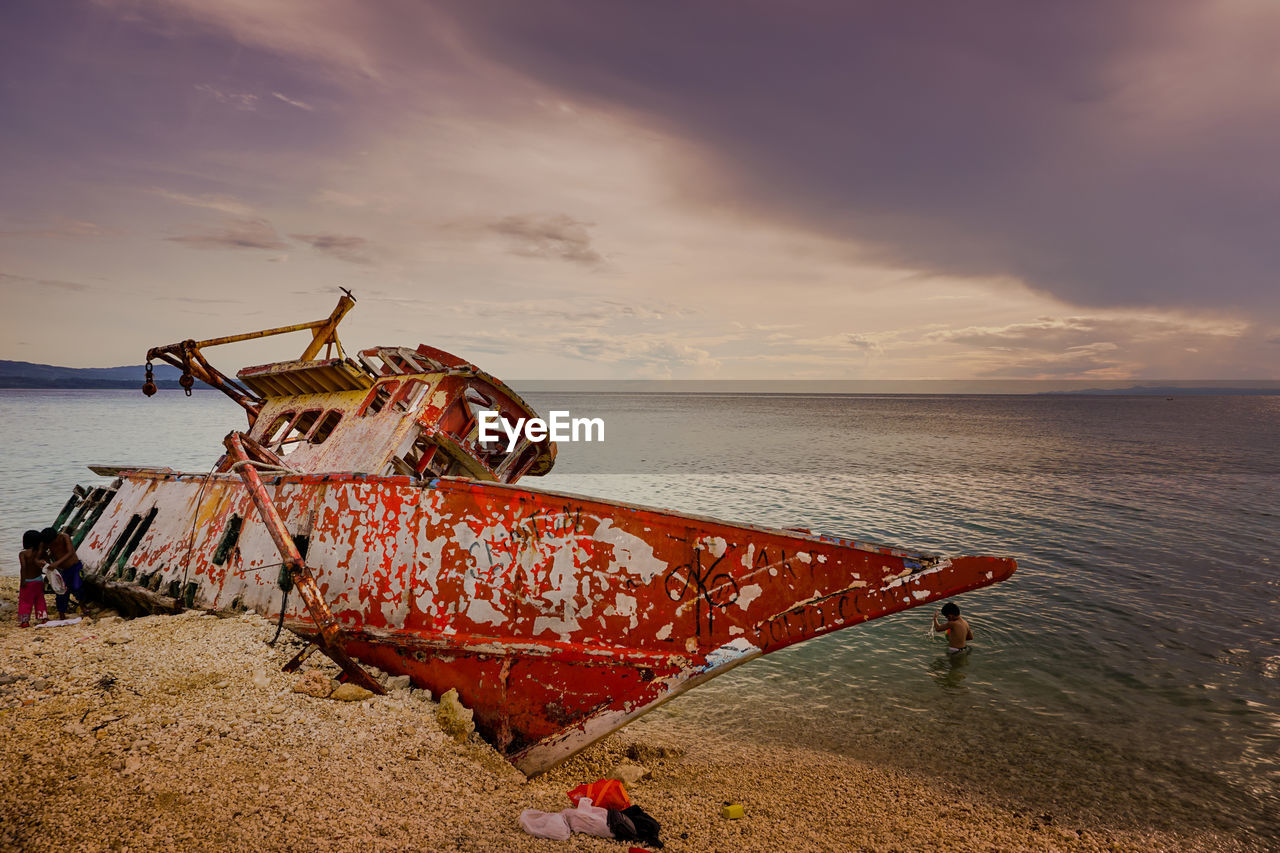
{"x": 1130, "y": 670}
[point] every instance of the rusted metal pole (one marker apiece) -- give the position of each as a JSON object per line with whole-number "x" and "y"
{"x": 327, "y": 330}
{"x": 280, "y": 535}
{"x": 324, "y": 328}
{"x": 329, "y": 637}
{"x": 186, "y": 355}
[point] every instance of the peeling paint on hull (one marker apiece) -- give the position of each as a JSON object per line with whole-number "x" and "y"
{"x": 558, "y": 618}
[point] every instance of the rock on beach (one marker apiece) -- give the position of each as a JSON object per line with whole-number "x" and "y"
{"x": 350, "y": 693}
{"x": 315, "y": 682}
{"x": 457, "y": 721}
{"x": 133, "y": 746}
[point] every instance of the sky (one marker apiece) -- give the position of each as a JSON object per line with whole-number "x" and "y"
{"x": 896, "y": 190}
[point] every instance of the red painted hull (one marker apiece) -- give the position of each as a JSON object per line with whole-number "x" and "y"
{"x": 558, "y": 618}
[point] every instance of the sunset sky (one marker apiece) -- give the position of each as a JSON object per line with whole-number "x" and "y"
{"x": 648, "y": 189}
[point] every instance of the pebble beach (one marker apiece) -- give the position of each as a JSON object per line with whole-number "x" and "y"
{"x": 181, "y": 732}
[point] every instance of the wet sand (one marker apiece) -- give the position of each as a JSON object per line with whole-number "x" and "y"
{"x": 180, "y": 732}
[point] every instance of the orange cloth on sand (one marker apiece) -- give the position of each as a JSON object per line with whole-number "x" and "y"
{"x": 604, "y": 793}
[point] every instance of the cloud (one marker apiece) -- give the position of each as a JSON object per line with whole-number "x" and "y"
{"x": 334, "y": 198}
{"x": 863, "y": 343}
{"x": 302, "y": 105}
{"x": 8, "y": 279}
{"x": 246, "y": 232}
{"x": 197, "y": 300}
{"x": 1114, "y": 347}
{"x": 548, "y": 236}
{"x": 650, "y": 355}
{"x": 236, "y": 100}
{"x": 353, "y": 250}
{"x": 1059, "y": 334}
{"x": 236, "y": 233}
{"x": 210, "y": 201}
{"x": 347, "y": 38}
{"x": 1098, "y": 361}
{"x": 62, "y": 227}
{"x": 590, "y": 336}
{"x": 816, "y": 188}
{"x": 1106, "y": 154}
{"x": 584, "y": 312}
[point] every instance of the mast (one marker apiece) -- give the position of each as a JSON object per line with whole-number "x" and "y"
{"x": 187, "y": 356}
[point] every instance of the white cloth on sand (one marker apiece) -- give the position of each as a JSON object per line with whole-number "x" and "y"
{"x": 588, "y": 819}
{"x": 58, "y": 623}
{"x": 545, "y": 824}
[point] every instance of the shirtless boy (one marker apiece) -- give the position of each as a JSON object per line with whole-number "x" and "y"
{"x": 958, "y": 632}
{"x": 31, "y": 568}
{"x": 61, "y": 554}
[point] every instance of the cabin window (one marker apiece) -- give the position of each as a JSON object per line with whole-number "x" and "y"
{"x": 302, "y": 426}
{"x": 410, "y": 395}
{"x": 297, "y": 432}
{"x": 379, "y": 398}
{"x": 326, "y": 426}
{"x": 278, "y": 428}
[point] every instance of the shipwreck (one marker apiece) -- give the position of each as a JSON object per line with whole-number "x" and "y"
{"x": 361, "y": 509}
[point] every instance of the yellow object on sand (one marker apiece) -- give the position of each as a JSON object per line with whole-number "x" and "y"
{"x": 732, "y": 812}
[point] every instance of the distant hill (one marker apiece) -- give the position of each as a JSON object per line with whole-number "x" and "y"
{"x": 1178, "y": 391}
{"x": 24, "y": 374}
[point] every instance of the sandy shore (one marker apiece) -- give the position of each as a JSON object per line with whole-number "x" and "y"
{"x": 180, "y": 732}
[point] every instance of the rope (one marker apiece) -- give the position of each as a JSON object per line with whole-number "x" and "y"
{"x": 263, "y": 567}
{"x": 262, "y": 466}
{"x": 284, "y": 602}
{"x": 191, "y": 542}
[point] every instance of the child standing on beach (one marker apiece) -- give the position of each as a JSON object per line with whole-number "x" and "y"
{"x": 31, "y": 569}
{"x": 60, "y": 551}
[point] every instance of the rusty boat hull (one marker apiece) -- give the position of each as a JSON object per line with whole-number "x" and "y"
{"x": 558, "y": 618}
{"x": 369, "y": 509}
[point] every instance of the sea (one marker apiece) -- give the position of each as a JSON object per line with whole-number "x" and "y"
{"x": 1127, "y": 675}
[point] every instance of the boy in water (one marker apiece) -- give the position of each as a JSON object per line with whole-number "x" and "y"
{"x": 958, "y": 633}
{"x": 31, "y": 571}
{"x": 61, "y": 554}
